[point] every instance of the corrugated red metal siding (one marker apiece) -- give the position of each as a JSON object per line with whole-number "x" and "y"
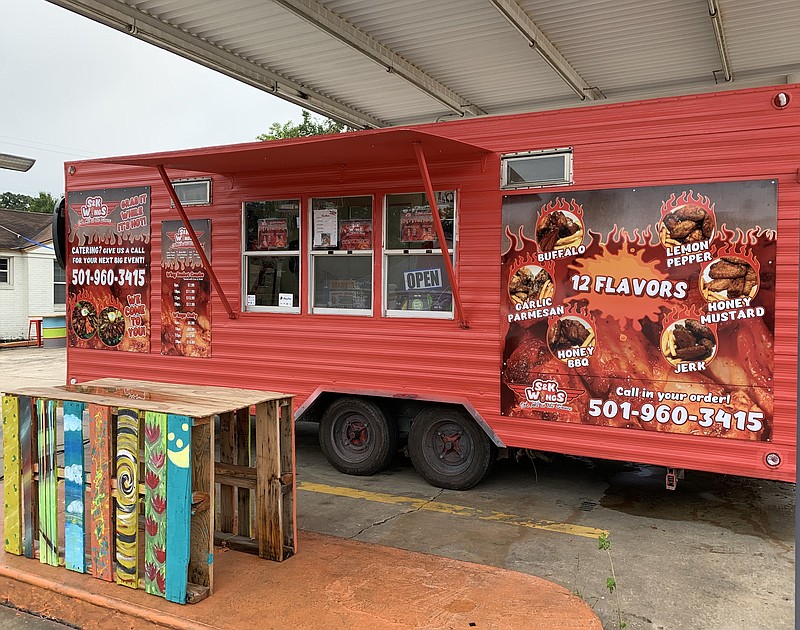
{"x": 718, "y": 137}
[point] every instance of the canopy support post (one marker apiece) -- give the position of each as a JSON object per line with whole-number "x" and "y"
{"x": 437, "y": 223}
{"x": 195, "y": 241}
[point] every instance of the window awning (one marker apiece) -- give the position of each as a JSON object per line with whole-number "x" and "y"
{"x": 386, "y": 147}
{"x": 350, "y": 150}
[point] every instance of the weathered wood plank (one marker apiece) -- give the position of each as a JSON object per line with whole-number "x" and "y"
{"x": 127, "y": 511}
{"x": 237, "y": 543}
{"x": 288, "y": 487}
{"x": 201, "y": 551}
{"x": 227, "y": 505}
{"x": 155, "y": 497}
{"x": 196, "y": 593}
{"x": 246, "y": 473}
{"x": 30, "y": 512}
{"x": 179, "y": 505}
{"x": 74, "y": 529}
{"x": 243, "y": 495}
{"x": 235, "y": 482}
{"x": 269, "y": 515}
{"x": 100, "y": 492}
{"x": 12, "y": 476}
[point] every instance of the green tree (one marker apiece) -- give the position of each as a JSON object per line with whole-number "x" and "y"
{"x": 310, "y": 126}
{"x": 13, "y": 201}
{"x": 43, "y": 203}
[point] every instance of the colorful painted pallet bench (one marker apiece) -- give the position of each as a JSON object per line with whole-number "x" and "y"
{"x": 139, "y": 502}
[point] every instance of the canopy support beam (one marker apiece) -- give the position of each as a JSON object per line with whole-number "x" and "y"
{"x": 437, "y": 223}
{"x": 195, "y": 241}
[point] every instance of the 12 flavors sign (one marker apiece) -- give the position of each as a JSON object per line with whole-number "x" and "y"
{"x": 649, "y": 308}
{"x": 108, "y": 261}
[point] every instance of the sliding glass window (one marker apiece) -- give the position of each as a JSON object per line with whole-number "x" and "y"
{"x": 271, "y": 264}
{"x": 415, "y": 277}
{"x": 341, "y": 255}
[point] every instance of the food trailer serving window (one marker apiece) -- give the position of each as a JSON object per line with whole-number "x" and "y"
{"x": 415, "y": 279}
{"x": 341, "y": 255}
{"x": 271, "y": 264}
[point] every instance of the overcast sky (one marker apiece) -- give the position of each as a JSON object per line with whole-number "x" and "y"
{"x": 71, "y": 88}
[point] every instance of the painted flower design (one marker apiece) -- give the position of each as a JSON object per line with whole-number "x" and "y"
{"x": 151, "y": 526}
{"x": 152, "y": 432}
{"x": 151, "y": 479}
{"x": 162, "y": 583}
{"x": 150, "y": 571}
{"x": 160, "y": 554}
{"x": 157, "y": 460}
{"x": 159, "y": 504}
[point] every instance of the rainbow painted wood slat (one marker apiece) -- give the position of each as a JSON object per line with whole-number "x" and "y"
{"x": 100, "y": 499}
{"x": 171, "y": 433}
{"x": 12, "y": 476}
{"x": 74, "y": 540}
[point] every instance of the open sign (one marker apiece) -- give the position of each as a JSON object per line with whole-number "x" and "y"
{"x": 423, "y": 279}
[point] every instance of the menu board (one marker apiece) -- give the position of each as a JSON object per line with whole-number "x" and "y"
{"x": 646, "y": 309}
{"x": 185, "y": 290}
{"x": 108, "y": 263}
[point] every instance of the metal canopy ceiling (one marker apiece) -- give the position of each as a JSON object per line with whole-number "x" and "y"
{"x": 376, "y": 63}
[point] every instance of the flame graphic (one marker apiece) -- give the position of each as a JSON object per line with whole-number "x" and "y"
{"x": 676, "y": 201}
{"x": 620, "y": 236}
{"x": 684, "y": 311}
{"x": 560, "y": 203}
{"x": 744, "y": 239}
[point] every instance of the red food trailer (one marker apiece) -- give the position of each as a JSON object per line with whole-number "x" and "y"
{"x": 615, "y": 281}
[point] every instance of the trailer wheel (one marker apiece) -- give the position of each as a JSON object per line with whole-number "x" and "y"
{"x": 357, "y": 437}
{"x": 448, "y": 449}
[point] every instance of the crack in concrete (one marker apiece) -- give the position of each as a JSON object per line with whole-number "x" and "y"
{"x": 394, "y": 516}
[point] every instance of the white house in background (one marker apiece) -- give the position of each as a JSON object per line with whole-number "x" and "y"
{"x": 31, "y": 282}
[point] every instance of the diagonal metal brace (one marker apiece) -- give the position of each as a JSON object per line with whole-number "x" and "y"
{"x": 437, "y": 223}
{"x": 195, "y": 241}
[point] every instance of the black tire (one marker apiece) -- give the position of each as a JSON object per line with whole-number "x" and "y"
{"x": 448, "y": 448}
{"x": 357, "y": 437}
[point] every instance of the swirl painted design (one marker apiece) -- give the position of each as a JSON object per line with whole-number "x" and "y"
{"x": 127, "y": 497}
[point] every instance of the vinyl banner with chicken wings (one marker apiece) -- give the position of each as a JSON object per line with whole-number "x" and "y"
{"x": 185, "y": 290}
{"x": 642, "y": 308}
{"x": 108, "y": 298}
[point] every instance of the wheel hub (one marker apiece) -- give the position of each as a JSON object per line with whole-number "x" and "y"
{"x": 357, "y": 433}
{"x": 449, "y": 446}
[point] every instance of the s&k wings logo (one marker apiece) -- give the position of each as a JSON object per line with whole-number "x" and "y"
{"x": 546, "y": 394}
{"x": 95, "y": 212}
{"x": 181, "y": 239}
